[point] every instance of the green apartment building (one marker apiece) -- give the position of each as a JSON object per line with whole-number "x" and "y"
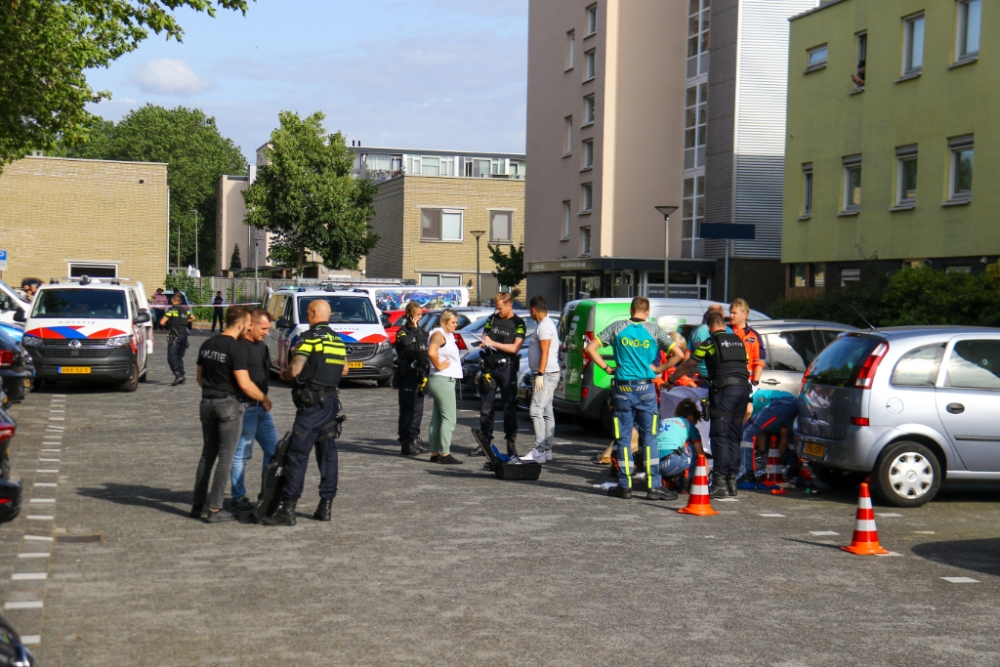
{"x": 893, "y": 145}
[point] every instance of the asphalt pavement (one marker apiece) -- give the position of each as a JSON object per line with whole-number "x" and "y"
{"x": 446, "y": 565}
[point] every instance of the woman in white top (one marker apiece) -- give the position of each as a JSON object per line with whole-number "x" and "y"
{"x": 446, "y": 368}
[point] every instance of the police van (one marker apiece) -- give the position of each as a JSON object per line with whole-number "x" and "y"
{"x": 354, "y": 317}
{"x": 90, "y": 330}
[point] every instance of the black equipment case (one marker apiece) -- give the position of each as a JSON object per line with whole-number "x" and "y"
{"x": 521, "y": 470}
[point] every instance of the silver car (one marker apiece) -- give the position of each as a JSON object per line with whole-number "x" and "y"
{"x": 789, "y": 346}
{"x": 911, "y": 406}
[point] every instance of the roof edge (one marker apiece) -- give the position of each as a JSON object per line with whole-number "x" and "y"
{"x": 824, "y": 5}
{"x": 85, "y": 159}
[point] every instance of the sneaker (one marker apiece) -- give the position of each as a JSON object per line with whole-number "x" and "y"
{"x": 219, "y": 517}
{"x": 548, "y": 454}
{"x": 536, "y": 455}
{"x": 242, "y": 505}
{"x": 478, "y": 451}
{"x": 178, "y": 379}
{"x": 448, "y": 459}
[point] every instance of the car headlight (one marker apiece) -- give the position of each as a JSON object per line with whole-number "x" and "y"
{"x": 31, "y": 341}
{"x": 119, "y": 341}
{"x": 383, "y": 347}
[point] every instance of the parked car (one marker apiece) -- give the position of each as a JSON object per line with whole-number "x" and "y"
{"x": 14, "y": 329}
{"x": 17, "y": 372}
{"x": 393, "y": 321}
{"x": 13, "y": 653}
{"x": 13, "y": 306}
{"x": 909, "y": 406}
{"x": 465, "y": 316}
{"x": 470, "y": 337}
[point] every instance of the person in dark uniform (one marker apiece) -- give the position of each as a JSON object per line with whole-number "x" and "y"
{"x": 503, "y": 337}
{"x": 218, "y": 314}
{"x": 413, "y": 369}
{"x": 320, "y": 361}
{"x": 176, "y": 321}
{"x": 729, "y": 380}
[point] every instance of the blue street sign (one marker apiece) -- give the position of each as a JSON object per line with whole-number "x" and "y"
{"x": 3, "y": 255}
{"x": 725, "y": 230}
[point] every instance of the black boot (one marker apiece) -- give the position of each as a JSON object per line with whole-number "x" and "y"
{"x": 285, "y": 516}
{"x": 408, "y": 449}
{"x": 731, "y": 486}
{"x": 661, "y": 494}
{"x": 417, "y": 448}
{"x": 178, "y": 379}
{"x": 512, "y": 449}
{"x": 323, "y": 511}
{"x": 718, "y": 486}
{"x": 620, "y": 492}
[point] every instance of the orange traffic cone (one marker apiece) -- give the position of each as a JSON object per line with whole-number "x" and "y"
{"x": 865, "y": 539}
{"x": 699, "y": 504}
{"x": 773, "y": 476}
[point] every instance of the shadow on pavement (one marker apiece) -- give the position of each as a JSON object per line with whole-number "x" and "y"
{"x": 977, "y": 555}
{"x": 137, "y": 495}
{"x": 812, "y": 544}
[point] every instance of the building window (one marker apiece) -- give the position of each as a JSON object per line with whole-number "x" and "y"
{"x": 970, "y": 14}
{"x": 569, "y": 135}
{"x": 93, "y": 270}
{"x": 441, "y": 279}
{"x": 591, "y": 60}
{"x": 589, "y": 109}
{"x": 858, "y": 77}
{"x": 501, "y": 227}
{"x": 567, "y": 216}
{"x": 588, "y": 197}
{"x": 696, "y": 126}
{"x": 797, "y": 275}
{"x": 518, "y": 168}
{"x": 958, "y": 269}
{"x": 961, "y": 168}
{"x": 436, "y": 166}
{"x": 585, "y": 241}
{"x": 692, "y": 215}
{"x": 816, "y": 58}
{"x": 438, "y": 224}
{"x": 817, "y": 275}
{"x": 592, "y": 19}
{"x": 807, "y": 189}
{"x": 852, "y": 183}
{"x": 849, "y": 276}
{"x": 570, "y": 49}
{"x": 913, "y": 45}
{"x": 588, "y": 153}
{"x": 699, "y": 22}
{"x": 906, "y": 176}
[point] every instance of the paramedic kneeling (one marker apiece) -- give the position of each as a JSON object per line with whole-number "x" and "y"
{"x": 729, "y": 382}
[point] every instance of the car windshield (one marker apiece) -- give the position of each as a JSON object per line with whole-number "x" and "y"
{"x": 80, "y": 303}
{"x": 343, "y": 309}
{"x": 840, "y": 363}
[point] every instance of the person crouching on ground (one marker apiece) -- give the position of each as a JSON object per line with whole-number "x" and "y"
{"x": 679, "y": 442}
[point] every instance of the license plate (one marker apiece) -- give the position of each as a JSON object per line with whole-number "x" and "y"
{"x": 812, "y": 449}
{"x": 355, "y": 364}
{"x": 522, "y": 393}
{"x": 74, "y": 370}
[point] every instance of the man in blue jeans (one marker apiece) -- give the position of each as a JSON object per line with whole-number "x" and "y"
{"x": 257, "y": 422}
{"x": 636, "y": 343}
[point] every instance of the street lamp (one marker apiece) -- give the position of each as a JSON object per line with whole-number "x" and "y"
{"x": 479, "y": 292}
{"x": 195, "y": 238}
{"x": 665, "y": 211}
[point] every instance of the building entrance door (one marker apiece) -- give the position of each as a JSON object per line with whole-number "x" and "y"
{"x": 567, "y": 290}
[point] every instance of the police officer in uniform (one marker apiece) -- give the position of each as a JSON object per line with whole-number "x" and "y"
{"x": 729, "y": 382}
{"x": 412, "y": 372}
{"x": 503, "y": 337}
{"x": 319, "y": 362}
{"x": 636, "y": 343}
{"x": 176, "y": 321}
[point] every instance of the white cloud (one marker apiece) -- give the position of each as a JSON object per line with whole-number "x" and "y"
{"x": 168, "y": 76}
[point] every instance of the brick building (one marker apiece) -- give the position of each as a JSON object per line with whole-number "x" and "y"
{"x": 64, "y": 217}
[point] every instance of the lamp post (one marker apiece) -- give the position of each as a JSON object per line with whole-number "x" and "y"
{"x": 665, "y": 211}
{"x": 195, "y": 238}
{"x": 479, "y": 293}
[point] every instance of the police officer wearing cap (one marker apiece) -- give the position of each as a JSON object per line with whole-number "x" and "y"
{"x": 176, "y": 321}
{"x": 319, "y": 362}
{"x": 413, "y": 369}
{"x": 503, "y": 336}
{"x": 729, "y": 381}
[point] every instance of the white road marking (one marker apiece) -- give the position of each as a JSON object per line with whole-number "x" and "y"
{"x": 774, "y": 516}
{"x": 924, "y": 532}
{"x": 729, "y": 500}
{"x": 57, "y": 419}
{"x": 46, "y": 484}
{"x": 31, "y": 640}
{"x": 961, "y": 580}
{"x": 32, "y": 604}
{"x": 42, "y": 554}
{"x": 49, "y": 471}
{"x": 38, "y": 538}
{"x": 890, "y": 554}
{"x": 52, "y": 450}
{"x": 821, "y": 533}
{"x": 28, "y": 576}
{"x": 42, "y": 500}
{"x": 49, "y": 460}
{"x": 889, "y": 515}
{"x": 40, "y": 517}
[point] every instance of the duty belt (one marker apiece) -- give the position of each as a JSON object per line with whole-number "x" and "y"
{"x": 727, "y": 380}
{"x": 633, "y": 382}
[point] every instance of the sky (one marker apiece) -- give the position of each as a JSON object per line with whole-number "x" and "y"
{"x": 441, "y": 74}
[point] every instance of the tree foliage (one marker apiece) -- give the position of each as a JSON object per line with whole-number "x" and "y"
{"x": 46, "y": 46}
{"x": 307, "y": 199}
{"x": 510, "y": 265}
{"x": 235, "y": 263}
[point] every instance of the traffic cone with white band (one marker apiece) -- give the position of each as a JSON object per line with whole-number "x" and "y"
{"x": 699, "y": 504}
{"x": 865, "y": 539}
{"x": 773, "y": 476}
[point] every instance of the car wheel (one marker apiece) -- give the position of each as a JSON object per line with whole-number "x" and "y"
{"x": 838, "y": 479}
{"x": 132, "y": 383}
{"x": 907, "y": 474}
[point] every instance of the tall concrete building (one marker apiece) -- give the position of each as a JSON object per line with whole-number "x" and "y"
{"x": 638, "y": 104}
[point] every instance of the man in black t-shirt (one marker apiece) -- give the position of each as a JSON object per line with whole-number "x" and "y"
{"x": 225, "y": 388}
{"x": 175, "y": 321}
{"x": 257, "y": 422}
{"x": 503, "y": 336}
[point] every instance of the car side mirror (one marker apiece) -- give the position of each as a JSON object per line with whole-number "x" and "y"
{"x": 142, "y": 317}
{"x": 19, "y": 315}
{"x": 283, "y": 323}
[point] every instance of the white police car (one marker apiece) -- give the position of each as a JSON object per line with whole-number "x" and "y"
{"x": 353, "y": 316}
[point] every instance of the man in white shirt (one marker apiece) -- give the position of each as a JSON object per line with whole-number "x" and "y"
{"x": 543, "y": 364}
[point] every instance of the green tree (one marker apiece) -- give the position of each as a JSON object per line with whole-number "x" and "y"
{"x": 306, "y": 197}
{"x": 46, "y": 46}
{"x": 235, "y": 263}
{"x": 510, "y": 266}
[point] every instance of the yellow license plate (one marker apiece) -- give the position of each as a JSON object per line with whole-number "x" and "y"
{"x": 355, "y": 364}
{"x": 74, "y": 370}
{"x": 812, "y": 449}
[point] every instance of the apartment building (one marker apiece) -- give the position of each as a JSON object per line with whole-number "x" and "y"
{"x": 639, "y": 104}
{"x": 431, "y": 224}
{"x": 893, "y": 140}
{"x": 230, "y": 232}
